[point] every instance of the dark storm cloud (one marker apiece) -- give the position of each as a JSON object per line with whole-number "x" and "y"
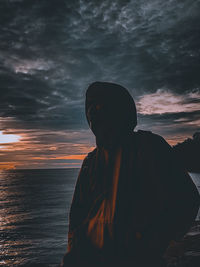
{"x": 33, "y": 103}
{"x": 170, "y": 124}
{"x": 51, "y": 50}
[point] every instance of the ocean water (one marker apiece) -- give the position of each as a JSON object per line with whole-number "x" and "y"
{"x": 34, "y": 206}
{"x": 196, "y": 179}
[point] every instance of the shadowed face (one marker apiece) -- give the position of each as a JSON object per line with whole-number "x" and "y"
{"x": 106, "y": 114}
{"x": 102, "y": 119}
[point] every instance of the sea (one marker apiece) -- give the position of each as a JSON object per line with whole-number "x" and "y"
{"x": 34, "y": 210}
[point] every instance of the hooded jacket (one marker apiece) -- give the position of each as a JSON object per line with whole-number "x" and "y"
{"x": 130, "y": 204}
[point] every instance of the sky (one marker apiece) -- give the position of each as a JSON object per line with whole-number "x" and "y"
{"x": 51, "y": 50}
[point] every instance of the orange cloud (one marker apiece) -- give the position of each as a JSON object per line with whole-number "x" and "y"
{"x": 7, "y": 166}
{"x": 79, "y": 157}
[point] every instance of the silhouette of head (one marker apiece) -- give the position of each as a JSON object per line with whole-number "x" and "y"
{"x": 110, "y": 112}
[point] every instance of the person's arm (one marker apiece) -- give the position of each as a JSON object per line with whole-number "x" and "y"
{"x": 175, "y": 192}
{"x": 181, "y": 198}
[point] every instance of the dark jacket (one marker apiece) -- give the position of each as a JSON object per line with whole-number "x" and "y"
{"x": 132, "y": 212}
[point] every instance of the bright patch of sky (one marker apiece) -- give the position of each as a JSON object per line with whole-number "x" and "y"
{"x": 8, "y": 138}
{"x": 165, "y": 101}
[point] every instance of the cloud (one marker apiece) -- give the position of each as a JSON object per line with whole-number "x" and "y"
{"x": 165, "y": 101}
{"x": 45, "y": 148}
{"x": 174, "y": 116}
{"x": 28, "y": 66}
{"x": 51, "y": 51}
{"x": 175, "y": 127}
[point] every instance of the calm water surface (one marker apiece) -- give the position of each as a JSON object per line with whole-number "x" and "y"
{"x": 34, "y": 206}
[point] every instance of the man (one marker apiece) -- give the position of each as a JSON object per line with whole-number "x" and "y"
{"x": 132, "y": 196}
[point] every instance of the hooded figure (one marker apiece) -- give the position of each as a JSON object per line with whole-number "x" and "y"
{"x": 132, "y": 197}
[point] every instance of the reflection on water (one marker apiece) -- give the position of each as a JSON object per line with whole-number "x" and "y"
{"x": 13, "y": 211}
{"x": 33, "y": 215}
{"x": 15, "y": 252}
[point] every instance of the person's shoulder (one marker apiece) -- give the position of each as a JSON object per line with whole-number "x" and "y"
{"x": 91, "y": 154}
{"x": 88, "y": 158}
{"x": 148, "y": 135}
{"x": 147, "y": 139}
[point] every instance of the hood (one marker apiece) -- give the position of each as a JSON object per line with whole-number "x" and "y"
{"x": 110, "y": 109}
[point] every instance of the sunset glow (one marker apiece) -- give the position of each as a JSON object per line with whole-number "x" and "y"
{"x": 8, "y": 138}
{"x": 43, "y": 83}
{"x": 42, "y": 149}
{"x": 7, "y": 166}
{"x": 72, "y": 157}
